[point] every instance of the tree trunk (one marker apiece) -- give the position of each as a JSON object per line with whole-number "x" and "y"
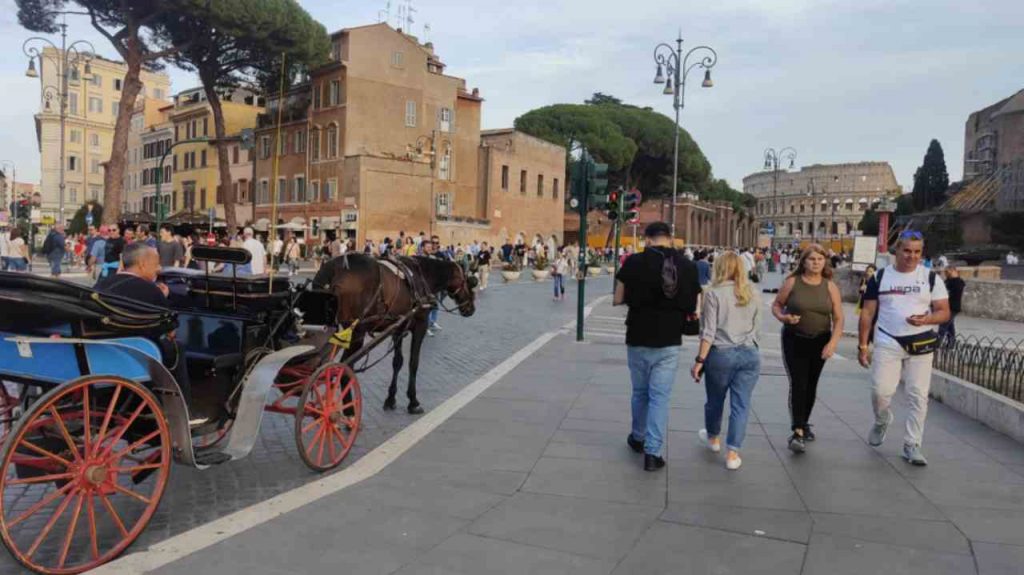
{"x": 223, "y": 165}
{"x": 113, "y": 176}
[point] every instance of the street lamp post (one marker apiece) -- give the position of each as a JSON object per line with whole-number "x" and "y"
{"x": 673, "y": 68}
{"x": 772, "y": 160}
{"x": 67, "y": 60}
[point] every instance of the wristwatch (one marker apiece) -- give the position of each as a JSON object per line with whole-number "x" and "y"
{"x": 863, "y": 347}
{"x": 698, "y": 359}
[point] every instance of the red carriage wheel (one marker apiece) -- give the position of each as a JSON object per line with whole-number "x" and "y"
{"x": 82, "y": 473}
{"x": 8, "y": 402}
{"x": 328, "y": 415}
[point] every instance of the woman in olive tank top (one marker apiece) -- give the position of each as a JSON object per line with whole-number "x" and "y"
{"x": 810, "y": 307}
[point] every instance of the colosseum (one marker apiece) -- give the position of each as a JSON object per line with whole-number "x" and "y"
{"x": 820, "y": 201}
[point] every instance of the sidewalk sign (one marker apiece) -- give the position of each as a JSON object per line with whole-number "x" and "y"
{"x": 864, "y": 252}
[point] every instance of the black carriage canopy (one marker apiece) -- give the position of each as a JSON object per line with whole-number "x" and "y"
{"x": 32, "y": 304}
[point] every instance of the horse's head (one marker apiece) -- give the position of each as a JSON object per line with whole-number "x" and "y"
{"x": 460, "y": 288}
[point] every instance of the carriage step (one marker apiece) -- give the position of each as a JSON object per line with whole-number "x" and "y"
{"x": 212, "y": 458}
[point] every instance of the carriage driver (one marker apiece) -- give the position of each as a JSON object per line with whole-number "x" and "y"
{"x": 137, "y": 281}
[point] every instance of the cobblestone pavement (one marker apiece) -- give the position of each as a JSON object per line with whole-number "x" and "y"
{"x": 508, "y": 316}
{"x": 533, "y": 476}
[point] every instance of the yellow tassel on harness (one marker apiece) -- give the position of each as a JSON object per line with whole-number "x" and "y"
{"x": 343, "y": 337}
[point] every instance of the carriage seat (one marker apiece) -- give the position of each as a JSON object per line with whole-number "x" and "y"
{"x": 34, "y": 304}
{"x": 191, "y": 288}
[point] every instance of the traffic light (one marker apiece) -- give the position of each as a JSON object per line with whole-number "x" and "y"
{"x": 631, "y": 211}
{"x": 599, "y": 179}
{"x": 613, "y": 204}
{"x": 577, "y": 182}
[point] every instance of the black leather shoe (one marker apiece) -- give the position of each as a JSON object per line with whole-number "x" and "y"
{"x": 653, "y": 462}
{"x": 636, "y": 446}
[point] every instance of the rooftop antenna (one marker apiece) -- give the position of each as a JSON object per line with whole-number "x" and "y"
{"x": 426, "y": 33}
{"x": 385, "y": 14}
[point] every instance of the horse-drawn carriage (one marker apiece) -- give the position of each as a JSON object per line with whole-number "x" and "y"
{"x": 99, "y": 394}
{"x": 94, "y": 409}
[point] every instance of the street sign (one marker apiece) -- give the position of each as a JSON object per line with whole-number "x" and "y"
{"x": 48, "y": 220}
{"x": 574, "y": 203}
{"x": 769, "y": 229}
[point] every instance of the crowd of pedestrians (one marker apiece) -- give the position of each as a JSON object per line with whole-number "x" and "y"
{"x": 663, "y": 287}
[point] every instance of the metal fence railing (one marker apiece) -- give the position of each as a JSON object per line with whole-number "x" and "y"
{"x": 997, "y": 364}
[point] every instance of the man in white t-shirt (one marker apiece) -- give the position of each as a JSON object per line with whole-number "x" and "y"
{"x": 5, "y": 247}
{"x": 909, "y": 300}
{"x": 259, "y": 255}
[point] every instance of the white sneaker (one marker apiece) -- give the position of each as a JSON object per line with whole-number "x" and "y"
{"x": 714, "y": 447}
{"x": 431, "y": 332}
{"x": 734, "y": 463}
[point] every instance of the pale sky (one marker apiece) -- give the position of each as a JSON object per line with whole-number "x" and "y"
{"x": 839, "y": 80}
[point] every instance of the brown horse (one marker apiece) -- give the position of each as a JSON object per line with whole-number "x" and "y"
{"x": 372, "y": 296}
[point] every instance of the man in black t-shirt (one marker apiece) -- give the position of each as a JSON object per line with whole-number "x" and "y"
{"x": 112, "y": 252}
{"x": 661, "y": 288}
{"x": 955, "y": 286}
{"x": 483, "y": 262}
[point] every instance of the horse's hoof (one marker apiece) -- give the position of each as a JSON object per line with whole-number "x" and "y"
{"x": 415, "y": 409}
{"x": 389, "y": 405}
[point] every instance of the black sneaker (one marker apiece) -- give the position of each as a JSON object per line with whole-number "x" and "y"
{"x": 636, "y": 445}
{"x": 653, "y": 462}
{"x": 796, "y": 444}
{"x": 808, "y": 434}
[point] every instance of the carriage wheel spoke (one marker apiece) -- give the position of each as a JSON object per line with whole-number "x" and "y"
{"x": 316, "y": 437}
{"x": 122, "y": 429}
{"x": 90, "y": 506}
{"x": 311, "y": 424}
{"x": 323, "y": 442}
{"x": 87, "y": 419}
{"x": 71, "y": 531}
{"x": 42, "y": 503}
{"x": 135, "y": 445}
{"x": 106, "y": 420}
{"x": 45, "y": 453}
{"x": 330, "y": 444}
{"x": 137, "y": 468}
{"x": 113, "y": 514}
{"x": 64, "y": 433}
{"x": 342, "y": 437}
{"x": 49, "y": 525}
{"x": 117, "y": 487}
{"x": 41, "y": 479}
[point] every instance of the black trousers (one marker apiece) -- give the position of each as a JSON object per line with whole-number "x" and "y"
{"x": 802, "y": 356}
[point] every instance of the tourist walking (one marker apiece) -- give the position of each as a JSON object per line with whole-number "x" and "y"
{"x": 292, "y": 255}
{"x": 483, "y": 260}
{"x": 5, "y": 247}
{"x": 955, "y": 287}
{"x": 810, "y": 307}
{"x": 171, "y": 251}
{"x": 869, "y": 272}
{"x": 907, "y": 301}
{"x": 17, "y": 258}
{"x": 728, "y": 357}
{"x": 55, "y": 249}
{"x": 559, "y": 268}
{"x": 258, "y": 263}
{"x": 658, "y": 312}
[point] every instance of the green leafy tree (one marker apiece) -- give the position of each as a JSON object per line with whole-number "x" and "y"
{"x": 240, "y": 43}
{"x": 869, "y": 223}
{"x": 931, "y": 179}
{"x": 132, "y": 28}
{"x": 637, "y": 143}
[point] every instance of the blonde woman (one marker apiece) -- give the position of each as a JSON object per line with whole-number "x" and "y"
{"x": 728, "y": 356}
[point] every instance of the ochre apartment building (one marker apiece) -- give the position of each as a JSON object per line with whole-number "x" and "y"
{"x": 381, "y": 140}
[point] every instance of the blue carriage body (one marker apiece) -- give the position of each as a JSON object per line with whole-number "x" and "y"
{"x": 55, "y": 362}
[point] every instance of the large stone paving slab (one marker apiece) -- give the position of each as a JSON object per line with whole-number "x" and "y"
{"x": 833, "y": 555}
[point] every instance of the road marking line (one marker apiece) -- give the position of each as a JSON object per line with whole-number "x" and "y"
{"x": 199, "y": 538}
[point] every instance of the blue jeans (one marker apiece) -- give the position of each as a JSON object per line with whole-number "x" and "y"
{"x": 55, "y": 263}
{"x": 732, "y": 370}
{"x": 559, "y": 284}
{"x": 652, "y": 371}
{"x": 17, "y": 264}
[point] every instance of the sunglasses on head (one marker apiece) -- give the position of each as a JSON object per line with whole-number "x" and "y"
{"x": 911, "y": 235}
